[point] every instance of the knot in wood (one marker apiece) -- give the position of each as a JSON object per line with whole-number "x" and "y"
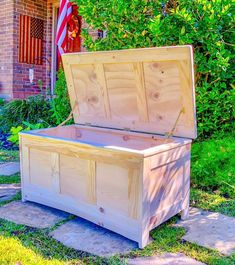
{"x": 101, "y": 209}
{"x": 156, "y": 95}
{"x": 126, "y": 137}
{"x": 93, "y": 99}
{"x": 155, "y": 65}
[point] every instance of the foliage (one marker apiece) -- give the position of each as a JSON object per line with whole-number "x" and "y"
{"x": 213, "y": 166}
{"x": 2, "y": 102}
{"x": 5, "y": 143}
{"x": 34, "y": 109}
{"x": 60, "y": 105}
{"x": 208, "y": 25}
{"x": 14, "y": 137}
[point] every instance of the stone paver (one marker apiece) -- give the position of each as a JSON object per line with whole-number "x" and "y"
{"x": 165, "y": 259}
{"x": 10, "y": 168}
{"x": 8, "y": 191}
{"x": 31, "y": 214}
{"x": 86, "y": 236}
{"x": 211, "y": 230}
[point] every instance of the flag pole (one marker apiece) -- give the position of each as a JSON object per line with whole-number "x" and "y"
{"x": 65, "y": 14}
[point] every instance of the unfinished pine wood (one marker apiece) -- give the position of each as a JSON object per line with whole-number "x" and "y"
{"x": 24, "y": 166}
{"x": 143, "y": 89}
{"x": 114, "y": 168}
{"x": 55, "y": 172}
{"x": 141, "y": 92}
{"x": 186, "y": 183}
{"x": 91, "y": 182}
{"x": 74, "y": 177}
{"x": 133, "y": 192}
{"x": 109, "y": 138}
{"x": 40, "y": 168}
{"x": 119, "y": 183}
{"x": 112, "y": 188}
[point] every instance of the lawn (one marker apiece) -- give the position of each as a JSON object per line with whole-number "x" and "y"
{"x": 23, "y": 245}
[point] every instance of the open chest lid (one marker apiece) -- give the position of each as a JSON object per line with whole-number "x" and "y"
{"x": 146, "y": 90}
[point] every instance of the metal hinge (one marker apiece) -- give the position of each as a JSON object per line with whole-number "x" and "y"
{"x": 87, "y": 124}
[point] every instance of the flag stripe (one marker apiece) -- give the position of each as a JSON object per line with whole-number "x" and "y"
{"x": 65, "y": 14}
{"x": 21, "y": 40}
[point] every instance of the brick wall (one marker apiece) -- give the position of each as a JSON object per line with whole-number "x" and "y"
{"x": 21, "y": 84}
{"x": 6, "y": 48}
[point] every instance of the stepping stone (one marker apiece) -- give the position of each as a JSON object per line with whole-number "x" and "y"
{"x": 31, "y": 214}
{"x": 165, "y": 259}
{"x": 8, "y": 191}
{"x": 211, "y": 230}
{"x": 10, "y": 168}
{"x": 85, "y": 236}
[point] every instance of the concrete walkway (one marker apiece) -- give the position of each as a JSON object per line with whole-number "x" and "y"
{"x": 31, "y": 214}
{"x": 210, "y": 230}
{"x": 8, "y": 191}
{"x": 10, "y": 168}
{"x": 86, "y": 236}
{"x": 165, "y": 259}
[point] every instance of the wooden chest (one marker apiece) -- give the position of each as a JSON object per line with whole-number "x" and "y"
{"x": 125, "y": 164}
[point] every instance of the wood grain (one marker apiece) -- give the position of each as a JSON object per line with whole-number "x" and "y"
{"x": 141, "y": 89}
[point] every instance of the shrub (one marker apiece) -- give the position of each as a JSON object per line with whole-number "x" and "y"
{"x": 206, "y": 24}
{"x": 14, "y": 132}
{"x": 34, "y": 109}
{"x": 213, "y": 166}
{"x": 2, "y": 102}
{"x": 60, "y": 105}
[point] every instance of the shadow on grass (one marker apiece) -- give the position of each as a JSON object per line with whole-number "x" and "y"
{"x": 212, "y": 202}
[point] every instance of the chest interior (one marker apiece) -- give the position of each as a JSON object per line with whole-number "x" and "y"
{"x": 108, "y": 138}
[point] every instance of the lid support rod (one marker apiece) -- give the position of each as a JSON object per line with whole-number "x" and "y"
{"x": 170, "y": 134}
{"x": 70, "y": 114}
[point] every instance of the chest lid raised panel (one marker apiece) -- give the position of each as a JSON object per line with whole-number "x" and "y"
{"x": 147, "y": 90}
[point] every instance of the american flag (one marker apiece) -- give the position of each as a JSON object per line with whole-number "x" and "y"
{"x": 31, "y": 40}
{"x": 65, "y": 14}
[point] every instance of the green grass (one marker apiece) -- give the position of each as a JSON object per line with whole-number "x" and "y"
{"x": 213, "y": 166}
{"x": 9, "y": 156}
{"x": 10, "y": 179}
{"x": 212, "y": 202}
